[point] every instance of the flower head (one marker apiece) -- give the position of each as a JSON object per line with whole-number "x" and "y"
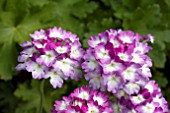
{"x": 54, "y": 54}
{"x": 120, "y": 59}
{"x": 83, "y": 100}
{"x": 148, "y": 100}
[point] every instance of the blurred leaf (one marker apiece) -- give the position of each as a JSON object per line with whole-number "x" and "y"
{"x": 7, "y": 60}
{"x": 145, "y": 3}
{"x": 38, "y": 2}
{"x": 82, "y": 8}
{"x": 167, "y": 2}
{"x": 9, "y": 36}
{"x": 130, "y": 4}
{"x": 67, "y": 2}
{"x": 161, "y": 38}
{"x": 143, "y": 19}
{"x": 11, "y": 31}
{"x": 19, "y": 18}
{"x": 82, "y": 82}
{"x": 85, "y": 43}
{"x": 71, "y": 24}
{"x": 31, "y": 97}
{"x": 8, "y": 101}
{"x": 160, "y": 79}
{"x": 96, "y": 27}
{"x": 19, "y": 8}
{"x": 8, "y": 52}
{"x": 158, "y": 57}
{"x": 167, "y": 95}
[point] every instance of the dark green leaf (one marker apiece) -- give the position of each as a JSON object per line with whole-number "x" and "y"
{"x": 160, "y": 79}
{"x": 32, "y": 96}
{"x": 158, "y": 57}
{"x": 82, "y": 8}
{"x": 8, "y": 101}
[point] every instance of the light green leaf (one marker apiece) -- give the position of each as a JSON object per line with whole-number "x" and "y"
{"x": 8, "y": 52}
{"x": 38, "y": 2}
{"x": 167, "y": 2}
{"x": 11, "y": 34}
{"x": 67, "y": 2}
{"x": 13, "y": 30}
{"x": 8, "y": 55}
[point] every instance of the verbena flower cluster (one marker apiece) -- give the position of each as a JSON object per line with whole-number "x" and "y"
{"x": 83, "y": 100}
{"x": 148, "y": 100}
{"x": 116, "y": 60}
{"x": 54, "y": 53}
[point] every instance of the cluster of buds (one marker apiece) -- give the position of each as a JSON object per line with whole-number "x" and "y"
{"x": 83, "y": 100}
{"x": 116, "y": 60}
{"x": 54, "y": 54}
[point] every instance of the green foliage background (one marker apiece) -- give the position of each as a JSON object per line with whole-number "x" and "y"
{"x": 19, "y": 93}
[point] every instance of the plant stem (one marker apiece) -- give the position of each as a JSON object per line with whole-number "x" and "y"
{"x": 42, "y": 95}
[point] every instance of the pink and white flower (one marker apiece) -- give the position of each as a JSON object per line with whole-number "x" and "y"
{"x": 118, "y": 52}
{"x": 55, "y": 52}
{"x": 84, "y": 100}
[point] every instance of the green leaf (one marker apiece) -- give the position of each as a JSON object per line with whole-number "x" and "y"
{"x": 38, "y": 2}
{"x": 8, "y": 52}
{"x": 160, "y": 79}
{"x": 167, "y": 2}
{"x": 83, "y": 8}
{"x": 71, "y": 24}
{"x": 82, "y": 82}
{"x": 8, "y": 101}
{"x": 11, "y": 34}
{"x": 158, "y": 57}
{"x": 8, "y": 60}
{"x": 19, "y": 18}
{"x": 12, "y": 31}
{"x": 143, "y": 19}
{"x": 85, "y": 43}
{"x": 145, "y": 3}
{"x": 162, "y": 36}
{"x": 31, "y": 96}
{"x": 96, "y": 27}
{"x": 67, "y": 2}
{"x": 130, "y": 4}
